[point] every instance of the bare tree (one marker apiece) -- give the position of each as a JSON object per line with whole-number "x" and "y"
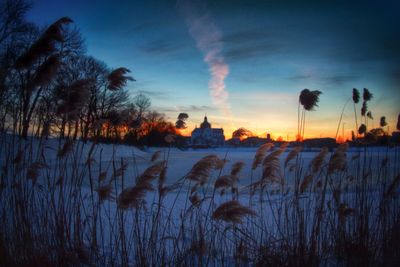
{"x": 13, "y": 30}
{"x": 39, "y": 64}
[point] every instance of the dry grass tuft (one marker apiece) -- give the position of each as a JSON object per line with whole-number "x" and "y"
{"x": 356, "y": 96}
{"x": 260, "y": 154}
{"x": 237, "y": 168}
{"x": 338, "y": 159}
{"x": 117, "y": 79}
{"x": 195, "y": 200}
{"x": 232, "y": 211}
{"x": 121, "y": 170}
{"x": 318, "y": 161}
{"x": 225, "y": 181}
{"x": 151, "y": 172}
{"x": 271, "y": 166}
{"x": 309, "y": 99}
{"x": 393, "y": 186}
{"x": 131, "y": 197}
{"x": 398, "y": 122}
{"x": 202, "y": 169}
{"x": 67, "y": 148}
{"x": 305, "y": 183}
{"x": 292, "y": 154}
{"x": 104, "y": 192}
{"x": 155, "y": 156}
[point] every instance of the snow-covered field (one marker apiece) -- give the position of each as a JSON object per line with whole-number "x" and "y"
{"x": 180, "y": 162}
{"x": 280, "y": 213}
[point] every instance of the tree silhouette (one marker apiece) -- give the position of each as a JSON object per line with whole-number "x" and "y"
{"x": 181, "y": 121}
{"x": 242, "y": 133}
{"x": 43, "y": 59}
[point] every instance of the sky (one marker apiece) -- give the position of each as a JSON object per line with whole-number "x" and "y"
{"x": 244, "y": 63}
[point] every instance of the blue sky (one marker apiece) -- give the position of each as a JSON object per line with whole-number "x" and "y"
{"x": 263, "y": 54}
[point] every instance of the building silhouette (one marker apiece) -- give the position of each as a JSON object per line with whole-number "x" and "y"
{"x": 207, "y": 136}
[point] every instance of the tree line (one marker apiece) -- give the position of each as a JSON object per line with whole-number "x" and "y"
{"x": 49, "y": 85}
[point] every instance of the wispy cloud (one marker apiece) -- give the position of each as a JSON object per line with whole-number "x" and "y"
{"x": 299, "y": 77}
{"x": 159, "y": 47}
{"x": 209, "y": 40}
{"x": 155, "y": 94}
{"x": 339, "y": 79}
{"x": 189, "y": 109}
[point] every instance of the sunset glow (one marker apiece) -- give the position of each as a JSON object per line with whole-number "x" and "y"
{"x": 244, "y": 65}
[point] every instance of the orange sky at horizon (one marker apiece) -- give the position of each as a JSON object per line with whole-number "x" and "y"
{"x": 311, "y": 131}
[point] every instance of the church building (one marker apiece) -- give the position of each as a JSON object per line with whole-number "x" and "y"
{"x": 207, "y": 136}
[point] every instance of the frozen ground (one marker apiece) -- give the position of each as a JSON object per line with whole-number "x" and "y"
{"x": 179, "y": 162}
{"x": 175, "y": 206}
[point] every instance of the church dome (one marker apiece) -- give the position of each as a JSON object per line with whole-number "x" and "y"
{"x": 205, "y": 124}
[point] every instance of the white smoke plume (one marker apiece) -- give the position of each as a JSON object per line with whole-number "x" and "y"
{"x": 208, "y": 40}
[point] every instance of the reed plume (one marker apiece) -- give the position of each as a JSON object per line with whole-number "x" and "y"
{"x": 318, "y": 161}
{"x": 393, "y": 186}
{"x": 104, "y": 192}
{"x": 54, "y": 31}
{"x": 369, "y": 115}
{"x": 338, "y": 159}
{"x": 121, "y": 170}
{"x": 162, "y": 190}
{"x": 155, "y": 156}
{"x": 356, "y": 96}
{"x": 398, "y": 122}
{"x": 382, "y": 121}
{"x": 364, "y": 108}
{"x": 225, "y": 181}
{"x": 362, "y": 129}
{"x": 117, "y": 79}
{"x": 260, "y": 153}
{"x": 232, "y": 211}
{"x": 163, "y": 174}
{"x": 202, "y": 169}
{"x": 46, "y": 72}
{"x": 271, "y": 166}
{"x": 45, "y": 45}
{"x": 237, "y": 167}
{"x": 292, "y": 154}
{"x": 131, "y": 197}
{"x": 367, "y": 96}
{"x": 356, "y": 99}
{"x": 305, "y": 183}
{"x": 309, "y": 99}
{"x": 195, "y": 200}
{"x": 151, "y": 173}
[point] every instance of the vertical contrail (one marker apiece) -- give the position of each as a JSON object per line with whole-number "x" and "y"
{"x": 208, "y": 40}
